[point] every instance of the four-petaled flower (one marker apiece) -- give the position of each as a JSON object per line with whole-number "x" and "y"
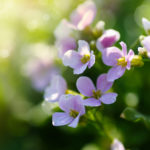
{"x": 56, "y": 89}
{"x": 96, "y": 95}
{"x": 83, "y": 16}
{"x": 119, "y": 60}
{"x": 80, "y": 60}
{"x": 73, "y": 108}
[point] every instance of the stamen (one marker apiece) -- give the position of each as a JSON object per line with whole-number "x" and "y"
{"x": 73, "y": 113}
{"x": 122, "y": 62}
{"x": 96, "y": 94}
{"x": 85, "y": 59}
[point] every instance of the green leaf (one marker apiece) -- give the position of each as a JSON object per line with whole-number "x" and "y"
{"x": 135, "y": 116}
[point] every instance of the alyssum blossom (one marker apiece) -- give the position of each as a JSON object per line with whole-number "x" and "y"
{"x": 56, "y": 89}
{"x": 96, "y": 95}
{"x": 73, "y": 108}
{"x": 83, "y": 16}
{"x": 108, "y": 38}
{"x": 119, "y": 60}
{"x": 80, "y": 60}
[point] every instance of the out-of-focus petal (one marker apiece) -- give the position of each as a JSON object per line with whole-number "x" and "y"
{"x": 72, "y": 58}
{"x": 146, "y": 43}
{"x": 57, "y": 88}
{"x": 92, "y": 60}
{"x": 146, "y": 24}
{"x": 103, "y": 84}
{"x": 85, "y": 86}
{"x": 91, "y": 102}
{"x": 64, "y": 45}
{"x": 111, "y": 55}
{"x": 115, "y": 73}
{"x": 84, "y": 48}
{"x": 108, "y": 98}
{"x": 80, "y": 69}
{"x": 117, "y": 145}
{"x": 60, "y": 119}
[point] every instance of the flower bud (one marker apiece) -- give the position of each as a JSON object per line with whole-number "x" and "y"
{"x": 137, "y": 61}
{"x": 99, "y": 28}
{"x": 142, "y": 52}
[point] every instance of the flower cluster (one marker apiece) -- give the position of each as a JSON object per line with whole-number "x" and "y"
{"x": 80, "y": 55}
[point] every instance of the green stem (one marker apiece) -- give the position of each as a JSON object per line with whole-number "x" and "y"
{"x": 135, "y": 44}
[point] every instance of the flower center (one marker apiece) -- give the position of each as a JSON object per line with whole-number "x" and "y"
{"x": 73, "y": 113}
{"x": 122, "y": 62}
{"x": 85, "y": 58}
{"x": 97, "y": 94}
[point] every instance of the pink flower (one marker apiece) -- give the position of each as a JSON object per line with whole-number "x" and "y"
{"x": 83, "y": 16}
{"x": 73, "y": 108}
{"x": 96, "y": 95}
{"x": 80, "y": 60}
{"x": 108, "y": 38}
{"x": 119, "y": 60}
{"x": 146, "y": 44}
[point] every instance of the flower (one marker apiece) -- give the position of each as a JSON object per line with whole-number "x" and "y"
{"x": 81, "y": 59}
{"x": 146, "y": 25}
{"x": 96, "y": 95}
{"x": 73, "y": 108}
{"x": 83, "y": 16}
{"x": 146, "y": 44}
{"x": 64, "y": 40}
{"x": 117, "y": 145}
{"x": 56, "y": 89}
{"x": 119, "y": 60}
{"x": 108, "y": 38}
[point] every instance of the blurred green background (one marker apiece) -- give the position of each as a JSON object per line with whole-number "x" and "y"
{"x": 26, "y": 36}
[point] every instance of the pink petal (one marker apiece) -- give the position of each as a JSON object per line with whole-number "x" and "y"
{"x": 72, "y": 58}
{"x": 110, "y": 56}
{"x": 146, "y": 24}
{"x": 115, "y": 73}
{"x": 61, "y": 118}
{"x": 85, "y": 86}
{"x": 129, "y": 59}
{"x": 91, "y": 102}
{"x": 103, "y": 84}
{"x": 108, "y": 98}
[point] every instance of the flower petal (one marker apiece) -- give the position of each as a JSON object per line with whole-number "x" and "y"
{"x": 110, "y": 56}
{"x": 146, "y": 24}
{"x": 72, "y": 58}
{"x": 91, "y": 102}
{"x": 57, "y": 88}
{"x": 124, "y": 48}
{"x": 107, "y": 39}
{"x": 80, "y": 69}
{"x": 92, "y": 60}
{"x": 115, "y": 73}
{"x": 83, "y": 47}
{"x": 85, "y": 86}
{"x": 74, "y": 123}
{"x": 71, "y": 102}
{"x": 129, "y": 59}
{"x": 108, "y": 98}
{"x": 103, "y": 84}
{"x": 146, "y": 44}
{"x": 61, "y": 118}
